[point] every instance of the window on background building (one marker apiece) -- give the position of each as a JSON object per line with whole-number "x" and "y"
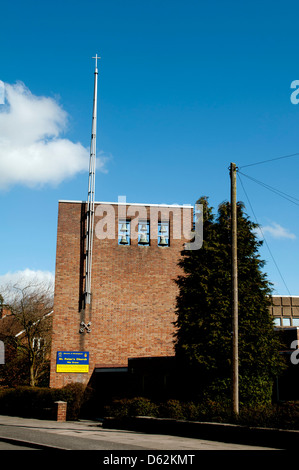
{"x": 277, "y": 321}
{"x": 144, "y": 233}
{"x": 124, "y": 234}
{"x": 163, "y": 234}
{"x": 295, "y": 321}
{"x": 286, "y": 322}
{"x": 37, "y": 343}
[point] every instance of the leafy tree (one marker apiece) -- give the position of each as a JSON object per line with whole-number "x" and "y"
{"x": 203, "y": 340}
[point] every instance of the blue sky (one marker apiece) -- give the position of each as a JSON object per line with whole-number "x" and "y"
{"x": 185, "y": 88}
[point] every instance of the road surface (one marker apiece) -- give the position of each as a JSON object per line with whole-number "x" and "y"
{"x": 89, "y": 435}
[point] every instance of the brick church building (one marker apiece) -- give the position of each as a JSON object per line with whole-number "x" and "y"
{"x": 136, "y": 249}
{"x": 124, "y": 337}
{"x": 125, "y": 330}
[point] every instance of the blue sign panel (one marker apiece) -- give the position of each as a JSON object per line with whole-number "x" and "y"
{"x": 72, "y": 361}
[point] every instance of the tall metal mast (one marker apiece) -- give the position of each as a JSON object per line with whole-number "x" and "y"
{"x": 91, "y": 191}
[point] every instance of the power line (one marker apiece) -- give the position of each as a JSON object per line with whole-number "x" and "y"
{"x": 271, "y": 160}
{"x": 263, "y": 234}
{"x": 274, "y": 190}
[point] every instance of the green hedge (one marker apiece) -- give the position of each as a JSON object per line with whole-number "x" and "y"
{"x": 39, "y": 403}
{"x": 34, "y": 402}
{"x": 139, "y": 406}
{"x": 284, "y": 415}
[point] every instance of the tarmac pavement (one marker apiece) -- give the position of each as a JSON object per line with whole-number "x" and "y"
{"x": 90, "y": 435}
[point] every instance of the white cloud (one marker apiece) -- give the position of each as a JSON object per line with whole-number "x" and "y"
{"x": 277, "y": 231}
{"x": 32, "y": 151}
{"x": 26, "y": 279}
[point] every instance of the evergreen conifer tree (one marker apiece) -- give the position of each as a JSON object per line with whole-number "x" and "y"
{"x": 203, "y": 340}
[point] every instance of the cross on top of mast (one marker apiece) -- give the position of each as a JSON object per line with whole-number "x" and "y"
{"x": 96, "y": 58}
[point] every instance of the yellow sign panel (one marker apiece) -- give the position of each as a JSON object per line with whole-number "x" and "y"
{"x": 72, "y": 368}
{"x": 72, "y": 361}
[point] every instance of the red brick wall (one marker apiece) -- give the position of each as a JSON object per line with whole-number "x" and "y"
{"x": 133, "y": 297}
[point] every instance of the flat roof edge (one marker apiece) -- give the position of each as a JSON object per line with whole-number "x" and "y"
{"x": 128, "y": 203}
{"x": 277, "y": 295}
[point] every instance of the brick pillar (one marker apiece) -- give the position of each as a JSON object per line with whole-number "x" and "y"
{"x": 61, "y": 410}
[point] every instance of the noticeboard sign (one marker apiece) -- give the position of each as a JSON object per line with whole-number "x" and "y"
{"x": 72, "y": 361}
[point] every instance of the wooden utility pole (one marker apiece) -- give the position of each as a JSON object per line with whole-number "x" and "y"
{"x": 234, "y": 255}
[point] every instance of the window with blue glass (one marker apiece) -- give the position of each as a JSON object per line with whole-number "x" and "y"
{"x": 124, "y": 233}
{"x": 144, "y": 233}
{"x": 163, "y": 234}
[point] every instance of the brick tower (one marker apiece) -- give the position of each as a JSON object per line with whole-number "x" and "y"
{"x": 114, "y": 284}
{"x": 136, "y": 249}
